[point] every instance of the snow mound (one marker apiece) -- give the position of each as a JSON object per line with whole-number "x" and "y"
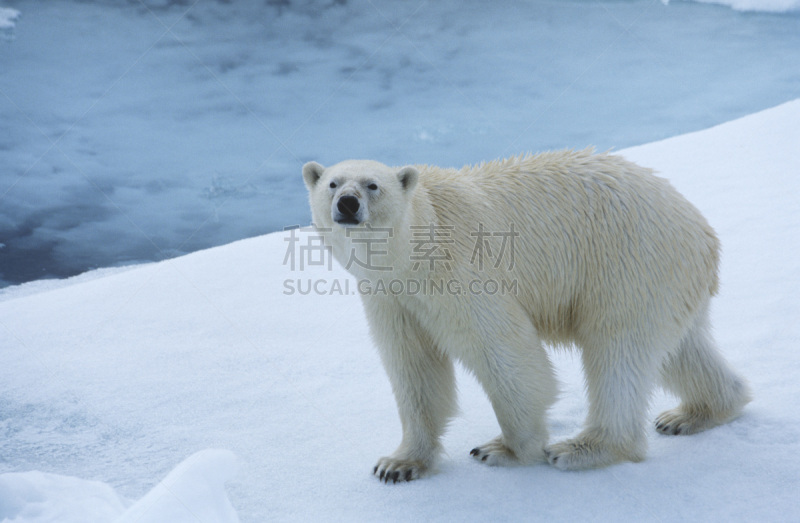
{"x": 37, "y": 497}
{"x": 193, "y": 491}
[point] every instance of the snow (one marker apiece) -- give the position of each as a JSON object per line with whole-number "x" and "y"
{"x": 118, "y": 376}
{"x": 141, "y": 130}
{"x": 37, "y": 497}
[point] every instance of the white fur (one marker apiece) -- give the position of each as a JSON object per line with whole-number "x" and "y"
{"x": 609, "y": 258}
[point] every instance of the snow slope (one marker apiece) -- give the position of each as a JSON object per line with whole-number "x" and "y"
{"x": 119, "y": 376}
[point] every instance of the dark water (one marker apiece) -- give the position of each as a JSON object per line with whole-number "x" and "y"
{"x": 133, "y": 132}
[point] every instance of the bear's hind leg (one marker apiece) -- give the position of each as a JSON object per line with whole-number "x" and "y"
{"x": 619, "y": 381}
{"x": 710, "y": 392}
{"x": 517, "y": 376}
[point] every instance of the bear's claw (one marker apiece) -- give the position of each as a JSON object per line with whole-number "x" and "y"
{"x": 494, "y": 453}
{"x": 576, "y": 455}
{"x": 588, "y": 450}
{"x": 666, "y": 428}
{"x": 394, "y": 470}
{"x": 678, "y": 422}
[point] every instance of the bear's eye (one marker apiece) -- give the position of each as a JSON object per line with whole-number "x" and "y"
{"x": 333, "y": 185}
{"x": 372, "y": 187}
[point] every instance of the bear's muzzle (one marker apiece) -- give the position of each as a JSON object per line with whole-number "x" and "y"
{"x": 348, "y": 207}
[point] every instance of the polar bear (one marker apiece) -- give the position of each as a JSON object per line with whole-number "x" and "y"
{"x": 585, "y": 250}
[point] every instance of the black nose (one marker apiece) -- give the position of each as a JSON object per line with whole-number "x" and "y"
{"x": 348, "y": 205}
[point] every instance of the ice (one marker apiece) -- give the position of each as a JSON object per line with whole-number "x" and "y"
{"x": 7, "y": 17}
{"x": 766, "y": 6}
{"x": 117, "y": 375}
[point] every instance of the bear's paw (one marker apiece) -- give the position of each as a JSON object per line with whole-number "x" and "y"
{"x": 394, "y": 470}
{"x": 587, "y": 452}
{"x": 680, "y": 421}
{"x": 495, "y": 453}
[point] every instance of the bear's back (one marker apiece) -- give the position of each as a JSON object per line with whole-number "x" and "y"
{"x": 597, "y": 241}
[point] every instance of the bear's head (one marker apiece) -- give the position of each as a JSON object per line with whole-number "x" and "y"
{"x": 357, "y": 193}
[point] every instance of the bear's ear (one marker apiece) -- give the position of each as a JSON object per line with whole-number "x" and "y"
{"x": 312, "y": 172}
{"x": 408, "y": 177}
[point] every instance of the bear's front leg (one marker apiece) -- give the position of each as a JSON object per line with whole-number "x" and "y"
{"x": 423, "y": 382}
